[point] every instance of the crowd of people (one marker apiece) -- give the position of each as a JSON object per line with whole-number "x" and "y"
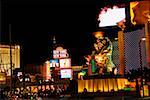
{"x": 55, "y": 92}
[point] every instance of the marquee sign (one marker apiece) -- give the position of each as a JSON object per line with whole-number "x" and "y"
{"x": 65, "y": 63}
{"x": 60, "y": 53}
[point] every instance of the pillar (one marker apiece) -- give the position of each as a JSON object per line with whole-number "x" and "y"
{"x": 121, "y": 52}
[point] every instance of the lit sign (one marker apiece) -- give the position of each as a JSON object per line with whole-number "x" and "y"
{"x": 19, "y": 74}
{"x": 54, "y": 63}
{"x": 60, "y": 53}
{"x": 66, "y": 73}
{"x": 2, "y": 77}
{"x": 65, "y": 63}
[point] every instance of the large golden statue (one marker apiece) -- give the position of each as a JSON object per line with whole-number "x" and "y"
{"x": 102, "y": 54}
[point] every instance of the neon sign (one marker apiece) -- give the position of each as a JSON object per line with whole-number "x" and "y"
{"x": 60, "y": 53}
{"x": 65, "y": 63}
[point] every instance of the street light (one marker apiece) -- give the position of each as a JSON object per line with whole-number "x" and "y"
{"x": 11, "y": 67}
{"x": 141, "y": 66}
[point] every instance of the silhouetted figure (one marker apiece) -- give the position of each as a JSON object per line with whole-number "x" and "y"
{"x": 84, "y": 90}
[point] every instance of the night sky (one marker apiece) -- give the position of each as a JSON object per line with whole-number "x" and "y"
{"x": 33, "y": 25}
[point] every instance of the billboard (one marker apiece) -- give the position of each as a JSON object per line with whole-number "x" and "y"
{"x": 60, "y": 53}
{"x": 115, "y": 13}
{"x": 65, "y": 63}
{"x": 66, "y": 73}
{"x": 54, "y": 63}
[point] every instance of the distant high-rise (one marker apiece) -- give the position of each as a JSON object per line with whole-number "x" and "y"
{"x": 5, "y": 58}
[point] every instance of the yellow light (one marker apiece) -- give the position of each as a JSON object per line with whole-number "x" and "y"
{"x": 80, "y": 86}
{"x": 120, "y": 84}
{"x": 104, "y": 85}
{"x": 86, "y": 84}
{"x": 100, "y": 85}
{"x": 146, "y": 90}
{"x": 47, "y": 70}
{"x": 105, "y": 82}
{"x": 95, "y": 85}
{"x": 90, "y": 85}
{"x": 115, "y": 84}
{"x": 110, "y": 84}
{"x": 127, "y": 82}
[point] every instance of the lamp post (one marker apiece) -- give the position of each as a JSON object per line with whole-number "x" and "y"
{"x": 141, "y": 66}
{"x": 11, "y": 69}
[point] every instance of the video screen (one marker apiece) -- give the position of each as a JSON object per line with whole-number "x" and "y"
{"x": 65, "y": 63}
{"x": 54, "y": 63}
{"x": 110, "y": 16}
{"x": 66, "y": 73}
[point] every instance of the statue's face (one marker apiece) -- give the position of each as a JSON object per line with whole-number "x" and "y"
{"x": 141, "y": 12}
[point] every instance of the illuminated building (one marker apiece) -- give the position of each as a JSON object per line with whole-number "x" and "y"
{"x": 141, "y": 16}
{"x": 46, "y": 73}
{"x": 5, "y": 58}
{"x": 131, "y": 47}
{"x": 129, "y": 41}
{"x": 102, "y": 85}
{"x": 51, "y": 68}
{"x": 60, "y": 64}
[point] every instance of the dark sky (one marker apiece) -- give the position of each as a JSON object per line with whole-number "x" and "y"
{"x": 33, "y": 24}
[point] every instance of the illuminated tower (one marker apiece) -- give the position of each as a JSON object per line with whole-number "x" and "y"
{"x": 54, "y": 40}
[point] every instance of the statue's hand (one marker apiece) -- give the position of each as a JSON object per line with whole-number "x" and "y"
{"x": 88, "y": 58}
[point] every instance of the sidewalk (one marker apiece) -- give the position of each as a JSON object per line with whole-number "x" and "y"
{"x": 145, "y": 98}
